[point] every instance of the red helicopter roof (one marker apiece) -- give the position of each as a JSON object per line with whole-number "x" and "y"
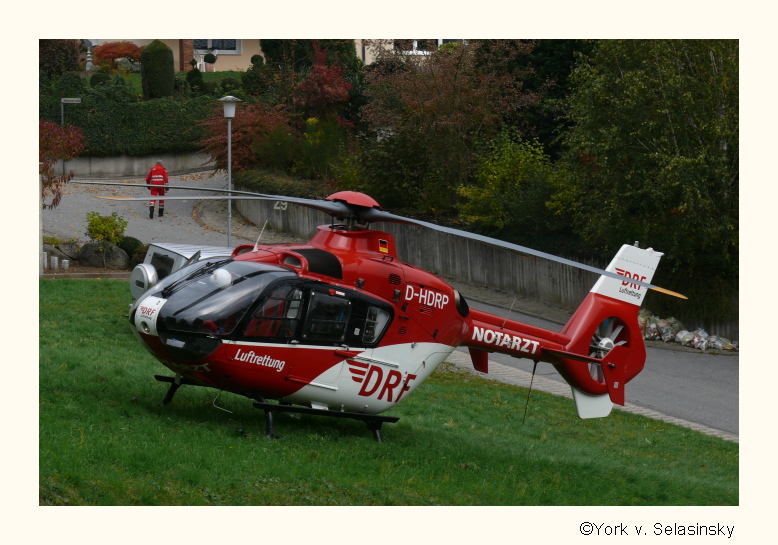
{"x": 355, "y": 198}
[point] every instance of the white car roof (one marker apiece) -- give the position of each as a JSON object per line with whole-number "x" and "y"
{"x": 188, "y": 250}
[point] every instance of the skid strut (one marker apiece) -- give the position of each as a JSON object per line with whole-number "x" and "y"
{"x": 175, "y": 383}
{"x": 373, "y": 421}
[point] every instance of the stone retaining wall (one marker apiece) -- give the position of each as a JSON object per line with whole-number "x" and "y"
{"x": 125, "y": 166}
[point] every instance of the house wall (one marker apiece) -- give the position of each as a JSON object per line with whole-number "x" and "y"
{"x": 182, "y": 53}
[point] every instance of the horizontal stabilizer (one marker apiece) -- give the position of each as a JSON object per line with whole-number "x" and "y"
{"x": 480, "y": 360}
{"x": 590, "y": 406}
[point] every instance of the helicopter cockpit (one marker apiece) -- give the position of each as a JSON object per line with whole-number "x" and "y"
{"x": 258, "y": 302}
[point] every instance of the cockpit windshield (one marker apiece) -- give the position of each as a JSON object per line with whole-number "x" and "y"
{"x": 212, "y": 298}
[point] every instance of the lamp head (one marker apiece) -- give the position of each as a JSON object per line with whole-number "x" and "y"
{"x": 229, "y": 103}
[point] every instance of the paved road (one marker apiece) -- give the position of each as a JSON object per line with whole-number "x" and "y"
{"x": 185, "y": 221}
{"x": 699, "y": 388}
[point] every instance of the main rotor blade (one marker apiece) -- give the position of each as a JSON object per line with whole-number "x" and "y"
{"x": 375, "y": 216}
{"x": 333, "y": 208}
{"x": 186, "y": 187}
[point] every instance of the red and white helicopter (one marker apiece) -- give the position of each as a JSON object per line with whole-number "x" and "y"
{"x": 340, "y": 326}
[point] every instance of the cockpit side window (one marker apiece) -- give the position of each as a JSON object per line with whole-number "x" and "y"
{"x": 277, "y": 317}
{"x": 327, "y": 318}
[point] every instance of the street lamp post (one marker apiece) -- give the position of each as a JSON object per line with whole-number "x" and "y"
{"x": 229, "y": 103}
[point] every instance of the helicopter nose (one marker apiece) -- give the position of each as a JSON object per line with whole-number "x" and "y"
{"x": 147, "y": 313}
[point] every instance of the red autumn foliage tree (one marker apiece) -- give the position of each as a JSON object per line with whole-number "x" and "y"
{"x": 110, "y": 51}
{"x": 54, "y": 143}
{"x": 252, "y": 124}
{"x": 324, "y": 90}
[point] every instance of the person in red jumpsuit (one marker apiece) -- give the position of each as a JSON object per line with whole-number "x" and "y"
{"x": 157, "y": 176}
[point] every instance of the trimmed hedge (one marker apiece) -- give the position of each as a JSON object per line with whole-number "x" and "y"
{"x": 163, "y": 125}
{"x": 273, "y": 183}
{"x": 157, "y": 70}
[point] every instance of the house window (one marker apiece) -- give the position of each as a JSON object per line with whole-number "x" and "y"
{"x": 224, "y": 47}
{"x": 420, "y": 47}
{"x": 415, "y": 47}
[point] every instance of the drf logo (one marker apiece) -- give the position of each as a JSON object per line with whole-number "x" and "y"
{"x": 147, "y": 312}
{"x": 627, "y": 274}
{"x": 372, "y": 379}
{"x": 426, "y": 297}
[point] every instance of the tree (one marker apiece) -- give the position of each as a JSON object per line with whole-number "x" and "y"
{"x": 548, "y": 67}
{"x": 324, "y": 90}
{"x": 445, "y": 103}
{"x": 157, "y": 70}
{"x": 56, "y": 143}
{"x": 653, "y": 152}
{"x": 108, "y": 52}
{"x": 252, "y": 124}
{"x": 55, "y": 57}
{"x": 514, "y": 180}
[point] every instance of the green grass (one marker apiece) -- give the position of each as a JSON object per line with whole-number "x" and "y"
{"x": 104, "y": 439}
{"x": 137, "y": 84}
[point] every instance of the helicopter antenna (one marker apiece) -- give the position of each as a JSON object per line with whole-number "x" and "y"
{"x": 509, "y": 313}
{"x": 215, "y": 405}
{"x": 256, "y": 244}
{"x": 529, "y": 391}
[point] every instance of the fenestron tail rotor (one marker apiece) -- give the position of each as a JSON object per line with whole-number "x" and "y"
{"x": 605, "y": 338}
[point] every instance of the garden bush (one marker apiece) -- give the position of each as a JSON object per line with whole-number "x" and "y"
{"x": 99, "y": 78}
{"x": 273, "y": 183}
{"x": 157, "y": 70}
{"x": 229, "y": 84}
{"x": 195, "y": 80}
{"x": 130, "y": 245}
{"x": 105, "y": 229}
{"x": 139, "y": 128}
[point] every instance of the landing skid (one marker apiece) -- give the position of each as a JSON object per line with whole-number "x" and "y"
{"x": 374, "y": 422}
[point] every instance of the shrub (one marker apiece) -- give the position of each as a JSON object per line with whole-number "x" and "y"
{"x": 210, "y": 58}
{"x": 105, "y": 229}
{"x": 142, "y": 127}
{"x": 55, "y": 57}
{"x": 130, "y": 245}
{"x": 69, "y": 84}
{"x": 279, "y": 150}
{"x": 320, "y": 144}
{"x": 252, "y": 123}
{"x": 257, "y": 60}
{"x": 55, "y": 143}
{"x": 195, "y": 79}
{"x": 116, "y": 89}
{"x": 279, "y": 184}
{"x": 514, "y": 180}
{"x": 98, "y": 79}
{"x": 139, "y": 255}
{"x": 157, "y": 70}
{"x": 229, "y": 83}
{"x": 257, "y": 79}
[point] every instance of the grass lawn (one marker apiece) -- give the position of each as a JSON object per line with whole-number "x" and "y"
{"x": 104, "y": 439}
{"x": 135, "y": 78}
